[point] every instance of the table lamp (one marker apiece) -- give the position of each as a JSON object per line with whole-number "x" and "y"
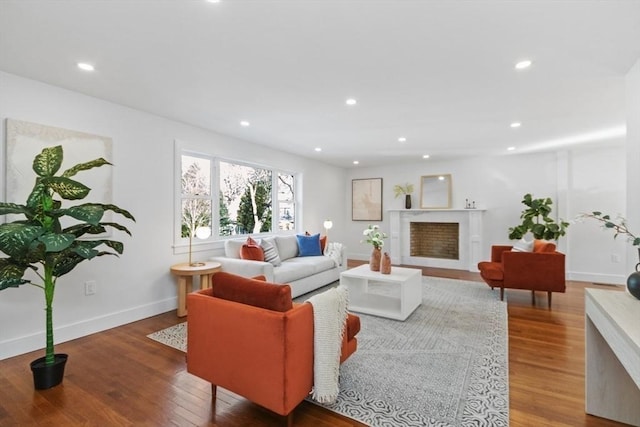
{"x": 200, "y": 233}
{"x": 327, "y": 225}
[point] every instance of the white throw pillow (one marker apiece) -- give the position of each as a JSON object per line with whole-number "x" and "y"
{"x": 523, "y": 245}
{"x": 270, "y": 252}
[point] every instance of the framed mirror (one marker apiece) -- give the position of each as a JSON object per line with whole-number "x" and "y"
{"x": 435, "y": 191}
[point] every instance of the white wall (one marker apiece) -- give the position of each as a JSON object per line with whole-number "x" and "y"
{"x": 137, "y": 284}
{"x": 633, "y": 159}
{"x": 595, "y": 177}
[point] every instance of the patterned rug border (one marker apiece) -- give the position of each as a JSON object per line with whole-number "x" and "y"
{"x": 487, "y": 399}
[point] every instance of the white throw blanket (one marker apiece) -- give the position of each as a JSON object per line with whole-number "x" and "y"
{"x": 334, "y": 251}
{"x": 329, "y": 317}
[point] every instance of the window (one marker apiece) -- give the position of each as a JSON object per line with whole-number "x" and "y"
{"x": 221, "y": 198}
{"x": 196, "y": 196}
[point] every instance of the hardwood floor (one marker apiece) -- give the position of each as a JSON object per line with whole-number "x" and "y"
{"x": 121, "y": 378}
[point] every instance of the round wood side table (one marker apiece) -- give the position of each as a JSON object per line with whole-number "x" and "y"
{"x": 185, "y": 272}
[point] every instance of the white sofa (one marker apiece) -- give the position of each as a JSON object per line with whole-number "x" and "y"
{"x": 303, "y": 274}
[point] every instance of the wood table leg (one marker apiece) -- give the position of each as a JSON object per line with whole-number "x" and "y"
{"x": 205, "y": 281}
{"x": 184, "y": 287}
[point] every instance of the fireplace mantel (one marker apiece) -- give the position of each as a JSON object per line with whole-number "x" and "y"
{"x": 470, "y": 244}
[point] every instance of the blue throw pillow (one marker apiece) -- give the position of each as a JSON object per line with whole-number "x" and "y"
{"x": 309, "y": 245}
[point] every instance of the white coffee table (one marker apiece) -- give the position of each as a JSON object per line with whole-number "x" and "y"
{"x": 394, "y": 296}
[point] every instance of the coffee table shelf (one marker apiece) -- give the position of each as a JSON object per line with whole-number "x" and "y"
{"x": 394, "y": 296}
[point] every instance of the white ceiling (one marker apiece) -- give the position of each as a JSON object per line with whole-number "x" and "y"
{"x": 440, "y": 73}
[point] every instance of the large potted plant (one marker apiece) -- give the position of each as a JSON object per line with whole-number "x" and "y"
{"x": 39, "y": 250}
{"x": 536, "y": 219}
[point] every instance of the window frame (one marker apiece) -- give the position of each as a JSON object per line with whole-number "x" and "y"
{"x": 216, "y": 241}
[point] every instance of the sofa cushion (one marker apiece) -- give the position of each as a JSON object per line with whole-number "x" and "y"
{"x": 323, "y": 241}
{"x": 491, "y": 270}
{"x": 232, "y": 248}
{"x": 543, "y": 246}
{"x": 287, "y": 247}
{"x": 257, "y": 293}
{"x": 270, "y": 252}
{"x": 309, "y": 245}
{"x": 251, "y": 250}
{"x": 300, "y": 267}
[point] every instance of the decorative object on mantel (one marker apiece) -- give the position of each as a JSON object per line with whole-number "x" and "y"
{"x": 385, "y": 264}
{"x": 468, "y": 205}
{"x": 620, "y": 227}
{"x": 376, "y": 238}
{"x": 39, "y": 244}
{"x": 406, "y": 189}
{"x": 435, "y": 191}
{"x": 537, "y": 220}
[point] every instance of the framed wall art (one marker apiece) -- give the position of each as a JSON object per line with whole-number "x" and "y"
{"x": 366, "y": 199}
{"x": 435, "y": 191}
{"x": 25, "y": 140}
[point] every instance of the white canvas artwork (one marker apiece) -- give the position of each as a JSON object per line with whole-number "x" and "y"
{"x": 25, "y": 140}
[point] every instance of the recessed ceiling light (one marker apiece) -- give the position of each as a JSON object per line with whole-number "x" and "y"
{"x": 355, "y": 162}
{"x": 245, "y": 123}
{"x": 402, "y": 139}
{"x": 213, "y": 1}
{"x": 425, "y": 156}
{"x": 515, "y": 124}
{"x": 523, "y": 64}
{"x": 351, "y": 101}
{"x": 318, "y": 149}
{"x": 86, "y": 67}
{"x": 511, "y": 148}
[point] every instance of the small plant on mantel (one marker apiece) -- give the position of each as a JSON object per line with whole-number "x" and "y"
{"x": 399, "y": 190}
{"x": 40, "y": 246}
{"x": 406, "y": 189}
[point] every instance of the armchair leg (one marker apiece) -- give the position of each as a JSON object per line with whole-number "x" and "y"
{"x": 549, "y": 298}
{"x": 533, "y": 297}
{"x": 214, "y": 390}
{"x": 290, "y": 419}
{"x": 501, "y": 294}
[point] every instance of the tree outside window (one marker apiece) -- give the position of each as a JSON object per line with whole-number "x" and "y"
{"x": 195, "y": 194}
{"x": 245, "y": 197}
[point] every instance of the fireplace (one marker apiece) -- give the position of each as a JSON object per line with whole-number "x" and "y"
{"x": 452, "y": 239}
{"x": 434, "y": 240}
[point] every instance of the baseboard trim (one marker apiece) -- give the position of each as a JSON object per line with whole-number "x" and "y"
{"x": 28, "y": 343}
{"x": 597, "y": 278}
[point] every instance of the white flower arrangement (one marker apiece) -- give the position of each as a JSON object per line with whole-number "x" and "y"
{"x": 374, "y": 236}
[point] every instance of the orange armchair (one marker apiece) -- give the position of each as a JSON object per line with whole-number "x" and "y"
{"x": 540, "y": 270}
{"x": 247, "y": 336}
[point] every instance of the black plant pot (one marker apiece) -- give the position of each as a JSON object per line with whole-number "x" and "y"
{"x": 44, "y": 376}
{"x": 633, "y": 284}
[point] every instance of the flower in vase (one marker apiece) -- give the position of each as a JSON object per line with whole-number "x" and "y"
{"x": 374, "y": 236}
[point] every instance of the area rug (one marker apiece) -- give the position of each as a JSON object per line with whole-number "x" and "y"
{"x": 445, "y": 366}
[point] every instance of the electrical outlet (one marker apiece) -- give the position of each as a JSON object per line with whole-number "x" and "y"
{"x": 615, "y": 258}
{"x": 90, "y": 287}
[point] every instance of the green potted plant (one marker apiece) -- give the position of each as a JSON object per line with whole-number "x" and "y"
{"x": 407, "y": 190}
{"x": 536, "y": 219}
{"x": 38, "y": 246}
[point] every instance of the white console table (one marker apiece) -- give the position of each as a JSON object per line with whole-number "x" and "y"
{"x": 612, "y": 371}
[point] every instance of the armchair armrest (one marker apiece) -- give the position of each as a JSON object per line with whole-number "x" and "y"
{"x": 245, "y": 267}
{"x": 497, "y": 250}
{"x": 534, "y": 270}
